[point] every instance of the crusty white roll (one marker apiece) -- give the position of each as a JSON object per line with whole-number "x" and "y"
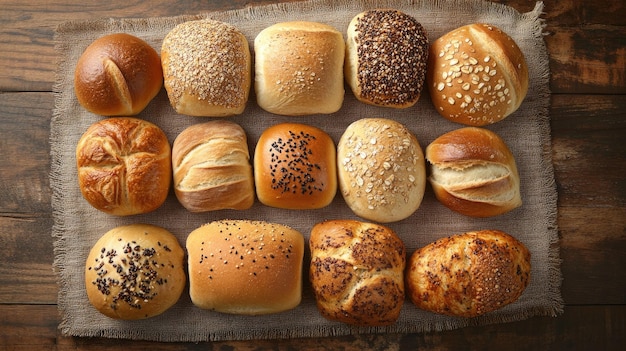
{"x": 124, "y": 166}
{"x": 117, "y": 75}
{"x": 473, "y": 172}
{"x": 299, "y": 68}
{"x": 135, "y": 271}
{"x": 207, "y": 68}
{"x": 357, "y": 272}
{"x": 381, "y": 170}
{"x": 295, "y": 167}
{"x": 468, "y": 274}
{"x": 477, "y": 75}
{"x": 386, "y": 58}
{"x": 211, "y": 165}
{"x": 245, "y": 267}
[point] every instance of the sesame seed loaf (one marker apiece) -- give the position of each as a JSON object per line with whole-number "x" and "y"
{"x": 477, "y": 75}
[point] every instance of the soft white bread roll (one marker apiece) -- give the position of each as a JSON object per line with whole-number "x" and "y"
{"x": 207, "y": 68}
{"x": 299, "y": 68}
{"x": 473, "y": 172}
{"x": 124, "y": 166}
{"x": 135, "y": 271}
{"x": 469, "y": 274}
{"x": 245, "y": 267}
{"x": 381, "y": 170}
{"x": 386, "y": 58}
{"x": 477, "y": 75}
{"x": 211, "y": 165}
{"x": 117, "y": 75}
{"x": 295, "y": 167}
{"x": 357, "y": 272}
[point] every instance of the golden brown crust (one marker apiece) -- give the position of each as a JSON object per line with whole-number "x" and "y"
{"x": 295, "y": 167}
{"x": 299, "y": 68}
{"x": 473, "y": 172}
{"x": 135, "y": 272}
{"x": 469, "y": 274}
{"x": 357, "y": 272}
{"x": 477, "y": 75}
{"x": 211, "y": 165}
{"x": 245, "y": 267}
{"x": 124, "y": 166}
{"x": 117, "y": 75}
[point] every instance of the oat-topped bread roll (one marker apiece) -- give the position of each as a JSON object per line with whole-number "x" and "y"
{"x": 135, "y": 271}
{"x": 211, "y": 165}
{"x": 357, "y": 272}
{"x": 299, "y": 68}
{"x": 386, "y": 58}
{"x": 124, "y": 166}
{"x": 295, "y": 167}
{"x": 381, "y": 170}
{"x": 468, "y": 274}
{"x": 477, "y": 75}
{"x": 473, "y": 172}
{"x": 207, "y": 68}
{"x": 117, "y": 75}
{"x": 245, "y": 267}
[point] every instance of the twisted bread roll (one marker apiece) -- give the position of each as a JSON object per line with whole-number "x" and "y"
{"x": 211, "y": 165}
{"x": 357, "y": 272}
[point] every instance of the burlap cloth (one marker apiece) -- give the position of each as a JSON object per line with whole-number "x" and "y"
{"x": 77, "y": 225}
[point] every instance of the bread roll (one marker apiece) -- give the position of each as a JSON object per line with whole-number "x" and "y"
{"x": 124, "y": 166}
{"x": 245, "y": 267}
{"x": 207, "y": 68}
{"x": 473, "y": 172}
{"x": 299, "y": 68}
{"x": 357, "y": 272}
{"x": 468, "y": 275}
{"x": 295, "y": 167}
{"x": 211, "y": 165}
{"x": 117, "y": 75}
{"x": 381, "y": 170}
{"x": 386, "y": 58}
{"x": 135, "y": 271}
{"x": 477, "y": 75}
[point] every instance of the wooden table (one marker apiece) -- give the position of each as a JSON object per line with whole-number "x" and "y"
{"x": 586, "y": 41}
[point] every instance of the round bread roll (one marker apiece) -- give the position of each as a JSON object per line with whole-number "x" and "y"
{"x": 135, "y": 271}
{"x": 207, "y": 68}
{"x": 357, "y": 272}
{"x": 473, "y": 172}
{"x": 381, "y": 170}
{"x": 468, "y": 274}
{"x": 295, "y": 167}
{"x": 117, "y": 75}
{"x": 211, "y": 165}
{"x": 124, "y": 166}
{"x": 386, "y": 58}
{"x": 477, "y": 75}
{"x": 299, "y": 68}
{"x": 245, "y": 267}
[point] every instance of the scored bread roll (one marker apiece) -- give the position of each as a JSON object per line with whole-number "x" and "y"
{"x": 357, "y": 272}
{"x": 124, "y": 166}
{"x": 135, "y": 271}
{"x": 245, "y": 267}
{"x": 295, "y": 167}
{"x": 381, "y": 170}
{"x": 207, "y": 68}
{"x": 117, "y": 75}
{"x": 386, "y": 58}
{"x": 468, "y": 274}
{"x": 473, "y": 172}
{"x": 211, "y": 165}
{"x": 477, "y": 75}
{"x": 299, "y": 68}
